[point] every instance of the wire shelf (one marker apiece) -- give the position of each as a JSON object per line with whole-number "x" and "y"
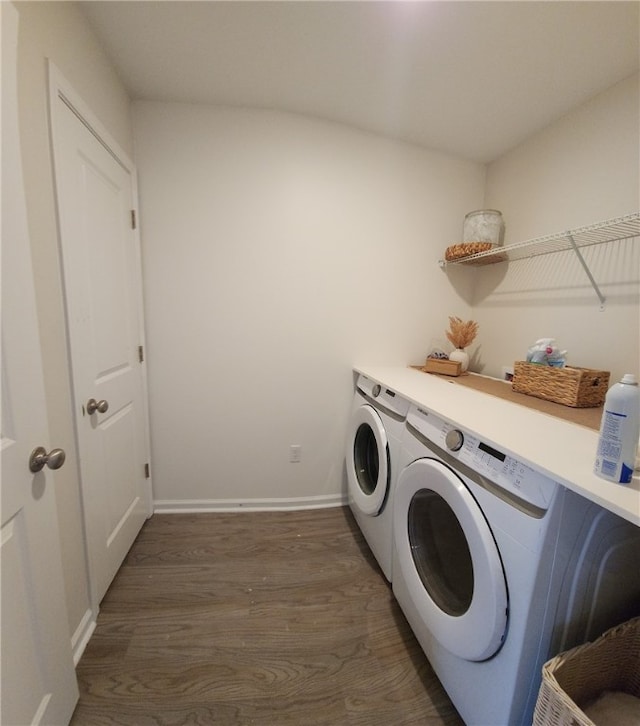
{"x": 609, "y": 231}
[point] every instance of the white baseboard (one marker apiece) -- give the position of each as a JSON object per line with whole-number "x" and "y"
{"x": 81, "y": 636}
{"x": 188, "y": 506}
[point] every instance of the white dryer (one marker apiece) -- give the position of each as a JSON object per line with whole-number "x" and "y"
{"x": 491, "y": 565}
{"x": 373, "y": 446}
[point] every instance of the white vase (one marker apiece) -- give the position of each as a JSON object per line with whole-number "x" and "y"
{"x": 461, "y": 355}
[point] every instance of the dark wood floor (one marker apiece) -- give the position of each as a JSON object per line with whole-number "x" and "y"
{"x": 255, "y": 618}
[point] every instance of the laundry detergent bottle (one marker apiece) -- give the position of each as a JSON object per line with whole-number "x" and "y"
{"x": 619, "y": 431}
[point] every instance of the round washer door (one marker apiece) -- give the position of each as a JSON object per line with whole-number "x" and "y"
{"x": 367, "y": 460}
{"x": 449, "y": 560}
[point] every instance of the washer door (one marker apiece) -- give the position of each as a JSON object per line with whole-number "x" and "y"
{"x": 367, "y": 457}
{"x": 449, "y": 560}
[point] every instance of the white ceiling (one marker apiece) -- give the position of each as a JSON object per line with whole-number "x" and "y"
{"x": 471, "y": 78}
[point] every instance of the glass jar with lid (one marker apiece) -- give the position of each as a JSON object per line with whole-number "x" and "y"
{"x": 484, "y": 225}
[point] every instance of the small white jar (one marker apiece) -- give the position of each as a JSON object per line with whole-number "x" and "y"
{"x": 483, "y": 225}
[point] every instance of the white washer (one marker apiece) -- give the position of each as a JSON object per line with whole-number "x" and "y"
{"x": 373, "y": 446}
{"x": 497, "y": 567}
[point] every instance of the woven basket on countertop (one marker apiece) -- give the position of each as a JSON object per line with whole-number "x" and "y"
{"x": 574, "y": 679}
{"x": 570, "y": 386}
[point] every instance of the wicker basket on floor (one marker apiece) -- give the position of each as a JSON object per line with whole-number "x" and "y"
{"x": 578, "y": 676}
{"x": 570, "y": 386}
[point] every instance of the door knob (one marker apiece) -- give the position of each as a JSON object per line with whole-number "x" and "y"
{"x": 93, "y": 406}
{"x": 39, "y": 457}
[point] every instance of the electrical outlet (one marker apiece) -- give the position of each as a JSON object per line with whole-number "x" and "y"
{"x": 295, "y": 453}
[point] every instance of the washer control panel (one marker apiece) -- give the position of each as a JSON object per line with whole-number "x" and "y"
{"x": 503, "y": 470}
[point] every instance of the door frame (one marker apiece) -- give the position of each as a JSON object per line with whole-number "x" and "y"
{"x": 61, "y": 89}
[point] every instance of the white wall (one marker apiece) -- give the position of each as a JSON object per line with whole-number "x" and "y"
{"x": 278, "y": 250}
{"x": 59, "y": 31}
{"x": 582, "y": 169}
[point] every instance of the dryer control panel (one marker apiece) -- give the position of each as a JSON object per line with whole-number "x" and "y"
{"x": 383, "y": 396}
{"x": 508, "y": 473}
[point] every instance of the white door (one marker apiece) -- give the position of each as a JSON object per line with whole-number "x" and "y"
{"x": 102, "y": 281}
{"x": 38, "y": 679}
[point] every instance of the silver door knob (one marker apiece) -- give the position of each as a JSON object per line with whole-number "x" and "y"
{"x": 93, "y": 406}
{"x": 39, "y": 457}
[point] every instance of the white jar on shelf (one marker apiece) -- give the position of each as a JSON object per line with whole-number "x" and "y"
{"x": 483, "y": 225}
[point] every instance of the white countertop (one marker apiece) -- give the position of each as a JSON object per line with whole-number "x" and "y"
{"x": 564, "y": 451}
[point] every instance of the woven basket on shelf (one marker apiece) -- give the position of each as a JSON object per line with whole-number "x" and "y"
{"x": 578, "y": 676}
{"x": 570, "y": 386}
{"x": 459, "y": 251}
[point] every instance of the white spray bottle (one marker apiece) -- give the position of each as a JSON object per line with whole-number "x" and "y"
{"x": 619, "y": 431}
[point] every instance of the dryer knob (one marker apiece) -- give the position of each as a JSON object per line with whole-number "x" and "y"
{"x": 376, "y": 390}
{"x": 454, "y": 440}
